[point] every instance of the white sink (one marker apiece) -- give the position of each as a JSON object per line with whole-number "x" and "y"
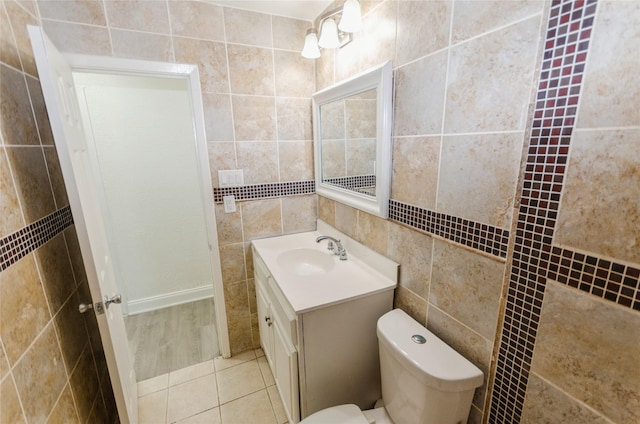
{"x": 310, "y": 276}
{"x": 306, "y": 261}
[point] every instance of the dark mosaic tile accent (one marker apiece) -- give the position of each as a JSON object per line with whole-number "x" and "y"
{"x": 265, "y": 191}
{"x": 354, "y": 181}
{"x": 19, "y": 244}
{"x": 565, "y": 53}
{"x": 594, "y": 275}
{"x": 483, "y": 237}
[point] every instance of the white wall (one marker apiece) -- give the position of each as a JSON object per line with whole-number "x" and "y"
{"x": 144, "y": 142}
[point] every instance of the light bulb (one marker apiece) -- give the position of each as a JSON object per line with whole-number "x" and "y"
{"x": 310, "y": 49}
{"x": 329, "y": 35}
{"x": 351, "y": 20}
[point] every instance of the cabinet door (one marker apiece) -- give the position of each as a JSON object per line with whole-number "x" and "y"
{"x": 286, "y": 373}
{"x": 265, "y": 324}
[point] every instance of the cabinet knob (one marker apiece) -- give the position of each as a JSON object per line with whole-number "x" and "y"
{"x": 268, "y": 321}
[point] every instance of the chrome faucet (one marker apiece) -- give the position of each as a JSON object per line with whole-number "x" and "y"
{"x": 337, "y": 250}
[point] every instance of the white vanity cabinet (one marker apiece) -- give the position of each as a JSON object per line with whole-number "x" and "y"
{"x": 324, "y": 355}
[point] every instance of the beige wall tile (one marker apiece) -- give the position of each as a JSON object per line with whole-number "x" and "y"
{"x": 254, "y": 118}
{"x": 217, "y": 116}
{"x": 78, "y": 38}
{"x": 360, "y": 116}
{"x": 372, "y": 231}
{"x": 489, "y": 80}
{"x": 259, "y": 161}
{"x": 221, "y": 156}
{"x": 232, "y": 263}
{"x": 294, "y": 119}
{"x": 55, "y": 176}
{"x": 588, "y": 348}
{"x": 10, "y": 403}
{"x": 416, "y": 162}
{"x": 296, "y": 160}
{"x": 4, "y": 365}
{"x": 611, "y": 89}
{"x": 475, "y": 415}
{"x": 412, "y": 250}
{"x": 24, "y": 312}
{"x": 18, "y": 123}
{"x": 8, "y": 50}
{"x": 332, "y": 124}
{"x": 56, "y": 272}
{"x": 415, "y": 39}
{"x": 288, "y": 33}
{"x": 32, "y": 182}
{"x": 229, "y": 226}
{"x": 246, "y": 27}
{"x": 299, "y": 214}
{"x": 466, "y": 342}
{"x": 75, "y": 254}
{"x": 10, "y": 213}
{"x": 65, "y": 410}
{"x": 420, "y": 110}
{"x": 472, "y": 18}
{"x": 211, "y": 58}
{"x": 334, "y": 159}
{"x": 248, "y": 260}
{"x": 327, "y": 210}
{"x": 250, "y": 70}
{"x": 600, "y": 209}
{"x": 72, "y": 331}
{"x": 346, "y": 219}
{"x": 19, "y": 19}
{"x": 261, "y": 218}
{"x": 139, "y": 15}
{"x": 82, "y": 12}
{"x": 85, "y": 384}
{"x": 467, "y": 286}
{"x": 40, "y": 377}
{"x": 293, "y": 74}
{"x": 197, "y": 19}
{"x": 29, "y": 5}
{"x": 545, "y": 404}
{"x": 139, "y": 45}
{"x": 377, "y": 40}
{"x": 361, "y": 156}
{"x": 240, "y": 333}
{"x": 478, "y": 178}
{"x": 324, "y": 71}
{"x": 40, "y": 110}
{"x": 414, "y": 305}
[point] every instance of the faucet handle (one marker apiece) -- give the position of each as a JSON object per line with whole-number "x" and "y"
{"x": 330, "y": 246}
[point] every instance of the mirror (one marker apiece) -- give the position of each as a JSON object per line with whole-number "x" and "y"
{"x": 352, "y": 140}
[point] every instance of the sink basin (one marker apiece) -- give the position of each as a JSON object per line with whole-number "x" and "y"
{"x": 306, "y": 261}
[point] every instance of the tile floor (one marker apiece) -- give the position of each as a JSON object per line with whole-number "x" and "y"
{"x": 238, "y": 390}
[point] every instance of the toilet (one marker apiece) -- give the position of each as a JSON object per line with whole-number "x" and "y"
{"x": 424, "y": 381}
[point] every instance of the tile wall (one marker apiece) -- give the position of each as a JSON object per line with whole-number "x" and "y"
{"x": 497, "y": 117}
{"x": 256, "y": 91}
{"x": 52, "y": 366}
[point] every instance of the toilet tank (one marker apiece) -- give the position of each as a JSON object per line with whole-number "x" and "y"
{"x": 424, "y": 381}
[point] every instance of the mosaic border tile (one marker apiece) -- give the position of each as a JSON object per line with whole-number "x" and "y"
{"x": 483, "y": 237}
{"x": 265, "y": 191}
{"x": 19, "y": 244}
{"x": 565, "y": 52}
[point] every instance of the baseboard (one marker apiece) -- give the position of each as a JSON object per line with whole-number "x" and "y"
{"x": 170, "y": 299}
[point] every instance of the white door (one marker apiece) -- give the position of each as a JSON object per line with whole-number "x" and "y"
{"x": 62, "y": 106}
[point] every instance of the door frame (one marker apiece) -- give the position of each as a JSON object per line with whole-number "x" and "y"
{"x": 122, "y": 66}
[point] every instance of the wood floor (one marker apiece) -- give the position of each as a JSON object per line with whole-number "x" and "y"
{"x": 172, "y": 338}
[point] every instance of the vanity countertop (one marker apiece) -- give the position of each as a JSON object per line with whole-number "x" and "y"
{"x": 309, "y": 287}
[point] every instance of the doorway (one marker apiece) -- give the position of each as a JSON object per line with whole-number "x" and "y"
{"x": 143, "y": 151}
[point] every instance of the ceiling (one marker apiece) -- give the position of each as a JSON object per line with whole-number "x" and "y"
{"x": 306, "y": 10}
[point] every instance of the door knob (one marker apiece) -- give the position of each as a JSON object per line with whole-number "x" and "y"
{"x": 84, "y": 307}
{"x": 109, "y": 300}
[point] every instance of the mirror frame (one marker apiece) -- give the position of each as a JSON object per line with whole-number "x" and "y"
{"x": 381, "y": 79}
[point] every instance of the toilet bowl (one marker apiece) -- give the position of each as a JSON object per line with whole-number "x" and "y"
{"x": 424, "y": 381}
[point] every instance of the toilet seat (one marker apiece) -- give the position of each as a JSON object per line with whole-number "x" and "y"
{"x": 342, "y": 414}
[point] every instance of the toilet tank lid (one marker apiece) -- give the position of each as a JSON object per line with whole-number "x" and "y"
{"x": 433, "y": 362}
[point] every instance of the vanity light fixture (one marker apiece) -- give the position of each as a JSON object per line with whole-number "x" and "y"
{"x": 333, "y": 35}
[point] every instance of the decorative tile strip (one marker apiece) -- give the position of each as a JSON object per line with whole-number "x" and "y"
{"x": 598, "y": 276}
{"x": 565, "y": 52}
{"x": 483, "y": 237}
{"x": 354, "y": 181}
{"x": 19, "y": 244}
{"x": 265, "y": 191}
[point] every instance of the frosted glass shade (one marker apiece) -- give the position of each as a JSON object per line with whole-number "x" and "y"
{"x": 311, "y": 49}
{"x": 329, "y": 35}
{"x": 351, "y": 20}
